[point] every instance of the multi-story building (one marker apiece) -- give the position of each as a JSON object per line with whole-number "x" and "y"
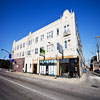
{"x": 62, "y": 45}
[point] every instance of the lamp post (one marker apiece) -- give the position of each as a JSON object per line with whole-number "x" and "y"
{"x": 9, "y": 55}
{"x": 55, "y": 55}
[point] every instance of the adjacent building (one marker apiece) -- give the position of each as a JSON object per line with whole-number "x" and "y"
{"x": 98, "y": 57}
{"x": 62, "y": 47}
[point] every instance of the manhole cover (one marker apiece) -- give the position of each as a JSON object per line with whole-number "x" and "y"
{"x": 95, "y": 86}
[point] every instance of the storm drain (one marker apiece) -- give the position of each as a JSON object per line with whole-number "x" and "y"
{"x": 95, "y": 86}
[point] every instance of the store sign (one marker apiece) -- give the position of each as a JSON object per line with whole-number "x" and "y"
{"x": 10, "y": 55}
{"x": 42, "y": 52}
{"x": 12, "y": 60}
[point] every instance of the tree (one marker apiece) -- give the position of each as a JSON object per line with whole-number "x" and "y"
{"x": 4, "y": 64}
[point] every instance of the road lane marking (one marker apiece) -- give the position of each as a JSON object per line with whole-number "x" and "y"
{"x": 33, "y": 90}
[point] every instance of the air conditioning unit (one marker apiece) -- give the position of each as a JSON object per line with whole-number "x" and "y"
{"x": 66, "y": 33}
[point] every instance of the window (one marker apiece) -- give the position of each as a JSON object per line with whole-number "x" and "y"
{"x": 22, "y": 53}
{"x": 30, "y": 42}
{"x": 57, "y": 31}
{"x": 50, "y": 35}
{"x": 30, "y": 65}
{"x": 50, "y": 48}
{"x": 36, "y": 50}
{"x": 42, "y": 51}
{"x": 36, "y": 39}
{"x": 41, "y": 48}
{"x": 57, "y": 46}
{"x": 66, "y": 28}
{"x": 20, "y": 46}
{"x": 17, "y": 54}
{"x": 42, "y": 37}
{"x": 17, "y": 47}
{"x": 23, "y": 44}
{"x": 29, "y": 52}
{"x": 65, "y": 44}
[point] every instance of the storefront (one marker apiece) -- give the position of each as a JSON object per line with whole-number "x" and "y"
{"x": 69, "y": 67}
{"x": 48, "y": 67}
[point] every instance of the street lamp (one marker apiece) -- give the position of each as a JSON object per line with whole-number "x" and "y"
{"x": 9, "y": 55}
{"x": 55, "y": 55}
{"x": 5, "y": 51}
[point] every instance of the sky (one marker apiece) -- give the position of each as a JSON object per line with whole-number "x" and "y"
{"x": 19, "y": 17}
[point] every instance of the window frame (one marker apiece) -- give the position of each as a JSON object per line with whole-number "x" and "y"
{"x": 57, "y": 31}
{"x": 65, "y": 44}
{"x": 36, "y": 50}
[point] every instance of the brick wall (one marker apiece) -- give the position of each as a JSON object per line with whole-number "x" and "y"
{"x": 19, "y": 64}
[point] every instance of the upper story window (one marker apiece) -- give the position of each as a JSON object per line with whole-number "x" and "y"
{"x": 65, "y": 44}
{"x": 57, "y": 31}
{"x": 33, "y": 40}
{"x": 50, "y": 35}
{"x": 36, "y": 50}
{"x": 50, "y": 48}
{"x": 29, "y": 52}
{"x": 17, "y": 54}
{"x": 22, "y": 53}
{"x": 30, "y": 42}
{"x": 17, "y": 47}
{"x": 66, "y": 28}
{"x": 30, "y": 65}
{"x": 57, "y": 46}
{"x": 36, "y": 39}
{"x": 42, "y": 37}
{"x": 23, "y": 44}
{"x": 20, "y": 46}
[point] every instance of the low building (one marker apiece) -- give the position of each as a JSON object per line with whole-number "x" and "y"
{"x": 62, "y": 47}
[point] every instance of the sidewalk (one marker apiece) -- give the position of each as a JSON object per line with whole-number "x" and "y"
{"x": 60, "y": 79}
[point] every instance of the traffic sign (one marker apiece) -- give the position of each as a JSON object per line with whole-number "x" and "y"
{"x": 10, "y": 55}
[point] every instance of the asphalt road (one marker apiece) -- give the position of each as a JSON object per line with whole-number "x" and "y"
{"x": 17, "y": 87}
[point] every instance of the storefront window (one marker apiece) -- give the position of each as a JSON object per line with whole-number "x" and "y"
{"x": 64, "y": 60}
{"x": 48, "y": 62}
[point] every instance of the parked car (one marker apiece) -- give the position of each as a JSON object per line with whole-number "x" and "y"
{"x": 97, "y": 71}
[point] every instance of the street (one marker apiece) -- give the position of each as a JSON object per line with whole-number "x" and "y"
{"x": 17, "y": 87}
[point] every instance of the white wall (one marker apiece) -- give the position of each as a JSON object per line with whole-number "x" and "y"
{"x": 67, "y": 18}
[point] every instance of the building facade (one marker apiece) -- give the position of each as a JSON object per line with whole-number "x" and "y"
{"x": 98, "y": 58}
{"x": 62, "y": 45}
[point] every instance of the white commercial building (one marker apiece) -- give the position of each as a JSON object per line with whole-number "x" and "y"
{"x": 62, "y": 46}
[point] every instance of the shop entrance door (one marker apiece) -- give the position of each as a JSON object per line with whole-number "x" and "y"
{"x": 35, "y": 69}
{"x": 47, "y": 70}
{"x": 64, "y": 69}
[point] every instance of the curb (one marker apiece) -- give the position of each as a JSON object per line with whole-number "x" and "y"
{"x": 60, "y": 79}
{"x": 67, "y": 80}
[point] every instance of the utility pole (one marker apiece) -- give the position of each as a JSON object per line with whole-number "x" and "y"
{"x": 98, "y": 46}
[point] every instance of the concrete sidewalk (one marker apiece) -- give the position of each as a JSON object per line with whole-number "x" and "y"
{"x": 45, "y": 77}
{"x": 60, "y": 79}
